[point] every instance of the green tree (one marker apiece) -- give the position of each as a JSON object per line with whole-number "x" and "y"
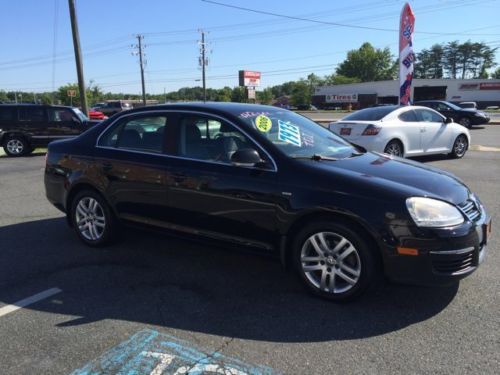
{"x": 368, "y": 64}
{"x": 238, "y": 95}
{"x": 265, "y": 96}
{"x": 301, "y": 94}
{"x": 224, "y": 94}
{"x": 496, "y": 74}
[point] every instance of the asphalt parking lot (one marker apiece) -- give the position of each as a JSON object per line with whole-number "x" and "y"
{"x": 155, "y": 304}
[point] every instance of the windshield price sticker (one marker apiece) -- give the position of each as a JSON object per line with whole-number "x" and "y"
{"x": 289, "y": 133}
{"x": 263, "y": 123}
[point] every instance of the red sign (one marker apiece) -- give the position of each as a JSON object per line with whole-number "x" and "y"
{"x": 249, "y": 78}
{"x": 489, "y": 86}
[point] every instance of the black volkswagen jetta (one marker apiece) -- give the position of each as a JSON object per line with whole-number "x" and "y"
{"x": 270, "y": 179}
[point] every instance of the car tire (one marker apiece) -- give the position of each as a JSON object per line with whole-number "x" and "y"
{"x": 16, "y": 145}
{"x": 334, "y": 261}
{"x": 460, "y": 147}
{"x": 465, "y": 121}
{"x": 92, "y": 219}
{"x": 394, "y": 148}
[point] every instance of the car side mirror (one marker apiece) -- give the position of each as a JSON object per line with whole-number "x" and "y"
{"x": 246, "y": 157}
{"x": 448, "y": 120}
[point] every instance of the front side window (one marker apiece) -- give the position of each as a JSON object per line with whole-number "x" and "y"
{"x": 209, "y": 139}
{"x": 144, "y": 133}
{"x": 297, "y": 136}
{"x": 31, "y": 114}
{"x": 60, "y": 115}
{"x": 428, "y": 116}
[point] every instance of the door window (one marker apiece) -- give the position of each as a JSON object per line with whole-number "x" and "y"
{"x": 209, "y": 139}
{"x": 31, "y": 114}
{"x": 61, "y": 115}
{"x": 442, "y": 107}
{"x": 143, "y": 133}
{"x": 7, "y": 114}
{"x": 428, "y": 116}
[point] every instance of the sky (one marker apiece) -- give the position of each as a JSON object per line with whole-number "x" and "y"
{"x": 37, "y": 48}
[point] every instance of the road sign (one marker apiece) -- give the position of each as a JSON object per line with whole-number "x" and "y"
{"x": 71, "y": 93}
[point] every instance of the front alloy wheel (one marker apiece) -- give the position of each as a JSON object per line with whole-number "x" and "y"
{"x": 465, "y": 121}
{"x": 330, "y": 262}
{"x": 335, "y": 261}
{"x": 460, "y": 146}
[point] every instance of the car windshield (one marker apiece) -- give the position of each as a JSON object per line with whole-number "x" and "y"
{"x": 297, "y": 136}
{"x": 80, "y": 115}
{"x": 370, "y": 114}
{"x": 453, "y": 106}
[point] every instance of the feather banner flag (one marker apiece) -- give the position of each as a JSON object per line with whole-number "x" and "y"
{"x": 406, "y": 55}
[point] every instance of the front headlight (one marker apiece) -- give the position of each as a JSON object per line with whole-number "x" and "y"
{"x": 428, "y": 212}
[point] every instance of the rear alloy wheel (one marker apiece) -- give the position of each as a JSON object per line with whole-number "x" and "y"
{"x": 395, "y": 148}
{"x": 92, "y": 218}
{"x": 16, "y": 146}
{"x": 465, "y": 121}
{"x": 333, "y": 261}
{"x": 460, "y": 147}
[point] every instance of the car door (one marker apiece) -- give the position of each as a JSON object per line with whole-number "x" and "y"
{"x": 63, "y": 123}
{"x": 33, "y": 123}
{"x": 435, "y": 138}
{"x": 411, "y": 128}
{"x": 211, "y": 195}
{"x": 130, "y": 156}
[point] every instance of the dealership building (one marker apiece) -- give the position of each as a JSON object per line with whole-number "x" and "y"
{"x": 485, "y": 92}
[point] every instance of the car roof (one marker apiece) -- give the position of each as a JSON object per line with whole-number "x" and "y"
{"x": 33, "y": 105}
{"x": 233, "y": 109}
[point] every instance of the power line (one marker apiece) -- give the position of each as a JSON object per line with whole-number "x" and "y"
{"x": 317, "y": 21}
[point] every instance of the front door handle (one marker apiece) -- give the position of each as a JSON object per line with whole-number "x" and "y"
{"x": 106, "y": 166}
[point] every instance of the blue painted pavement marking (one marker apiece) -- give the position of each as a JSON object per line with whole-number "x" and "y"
{"x": 153, "y": 353}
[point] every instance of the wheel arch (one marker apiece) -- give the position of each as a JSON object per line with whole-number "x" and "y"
{"x": 362, "y": 228}
{"x": 398, "y": 138}
{"x": 74, "y": 190}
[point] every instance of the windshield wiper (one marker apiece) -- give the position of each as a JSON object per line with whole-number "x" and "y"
{"x": 316, "y": 157}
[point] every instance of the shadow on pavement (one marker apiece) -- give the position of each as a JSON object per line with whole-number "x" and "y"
{"x": 170, "y": 282}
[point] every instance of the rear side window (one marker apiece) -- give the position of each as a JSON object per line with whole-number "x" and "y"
{"x": 408, "y": 116}
{"x": 31, "y": 114}
{"x": 7, "y": 114}
{"x": 428, "y": 116}
{"x": 139, "y": 133}
{"x": 371, "y": 114}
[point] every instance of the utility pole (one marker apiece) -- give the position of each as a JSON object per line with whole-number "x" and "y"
{"x": 78, "y": 56}
{"x": 203, "y": 62}
{"x": 139, "y": 52}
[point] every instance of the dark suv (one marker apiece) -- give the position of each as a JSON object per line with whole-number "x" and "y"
{"x": 23, "y": 127}
{"x": 464, "y": 116}
{"x": 113, "y": 107}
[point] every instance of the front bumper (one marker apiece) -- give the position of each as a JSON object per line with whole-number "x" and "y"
{"x": 443, "y": 256}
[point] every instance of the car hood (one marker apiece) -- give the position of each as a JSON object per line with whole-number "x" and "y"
{"x": 397, "y": 174}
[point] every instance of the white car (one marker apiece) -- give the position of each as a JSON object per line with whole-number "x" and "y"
{"x": 404, "y": 131}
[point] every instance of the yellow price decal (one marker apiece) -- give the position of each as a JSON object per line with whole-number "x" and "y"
{"x": 263, "y": 123}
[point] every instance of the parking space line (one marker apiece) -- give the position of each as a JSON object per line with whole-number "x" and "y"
{"x": 28, "y": 301}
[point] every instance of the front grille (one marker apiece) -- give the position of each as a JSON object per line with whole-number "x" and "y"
{"x": 470, "y": 209}
{"x": 453, "y": 263}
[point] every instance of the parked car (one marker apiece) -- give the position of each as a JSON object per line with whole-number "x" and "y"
{"x": 23, "y": 127}
{"x": 468, "y": 105}
{"x": 464, "y": 116}
{"x": 267, "y": 178}
{"x": 96, "y": 115}
{"x": 113, "y": 107}
{"x": 403, "y": 131}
